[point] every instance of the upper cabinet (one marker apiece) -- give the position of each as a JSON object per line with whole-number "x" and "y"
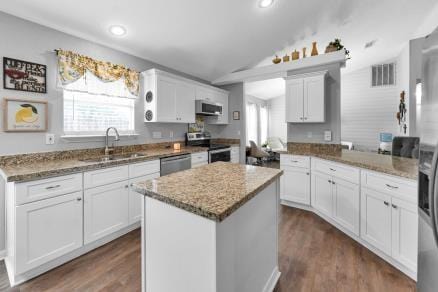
{"x": 305, "y": 98}
{"x": 169, "y": 98}
{"x": 216, "y": 96}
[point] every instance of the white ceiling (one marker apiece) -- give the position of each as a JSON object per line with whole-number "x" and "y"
{"x": 209, "y": 38}
{"x": 266, "y": 89}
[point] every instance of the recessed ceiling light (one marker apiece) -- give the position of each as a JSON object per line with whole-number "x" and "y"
{"x": 265, "y": 3}
{"x": 117, "y": 30}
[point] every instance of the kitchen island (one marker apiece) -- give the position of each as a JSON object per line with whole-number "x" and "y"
{"x": 213, "y": 228}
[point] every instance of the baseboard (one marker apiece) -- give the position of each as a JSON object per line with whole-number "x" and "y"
{"x": 399, "y": 266}
{"x": 15, "y": 280}
{"x": 272, "y": 281}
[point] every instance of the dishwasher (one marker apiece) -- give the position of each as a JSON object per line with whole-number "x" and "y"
{"x": 175, "y": 163}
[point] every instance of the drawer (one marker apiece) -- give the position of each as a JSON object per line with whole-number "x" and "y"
{"x": 200, "y": 157}
{"x": 144, "y": 168}
{"x": 47, "y": 188}
{"x": 105, "y": 176}
{"x": 295, "y": 160}
{"x": 398, "y": 187}
{"x": 194, "y": 165}
{"x": 341, "y": 171}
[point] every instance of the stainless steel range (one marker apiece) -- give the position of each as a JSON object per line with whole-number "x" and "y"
{"x": 216, "y": 152}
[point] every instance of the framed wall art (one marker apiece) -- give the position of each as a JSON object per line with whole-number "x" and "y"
{"x": 22, "y": 115}
{"x": 24, "y": 76}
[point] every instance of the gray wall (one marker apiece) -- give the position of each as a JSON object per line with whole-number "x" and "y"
{"x": 28, "y": 41}
{"x": 277, "y": 124}
{"x": 302, "y": 132}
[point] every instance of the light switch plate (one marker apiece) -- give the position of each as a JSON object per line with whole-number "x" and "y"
{"x": 327, "y": 136}
{"x": 156, "y": 135}
{"x": 171, "y": 134}
{"x": 50, "y": 139}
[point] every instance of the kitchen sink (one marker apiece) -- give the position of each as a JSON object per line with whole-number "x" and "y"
{"x": 112, "y": 157}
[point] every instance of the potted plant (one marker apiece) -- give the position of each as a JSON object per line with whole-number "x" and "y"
{"x": 336, "y": 46}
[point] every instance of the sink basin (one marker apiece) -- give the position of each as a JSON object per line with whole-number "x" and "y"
{"x": 112, "y": 157}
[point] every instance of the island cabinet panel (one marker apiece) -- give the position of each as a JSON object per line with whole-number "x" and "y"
{"x": 376, "y": 219}
{"x": 106, "y": 210}
{"x": 47, "y": 229}
{"x": 322, "y": 195}
{"x": 346, "y": 204}
{"x": 295, "y": 185}
{"x": 135, "y": 201}
{"x": 235, "y": 154}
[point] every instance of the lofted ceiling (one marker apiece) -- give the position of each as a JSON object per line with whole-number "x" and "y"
{"x": 208, "y": 39}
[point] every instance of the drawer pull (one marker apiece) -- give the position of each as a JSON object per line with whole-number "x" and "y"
{"x": 392, "y": 187}
{"x": 294, "y": 161}
{"x": 386, "y": 203}
{"x": 332, "y": 169}
{"x": 53, "y": 187}
{"x": 394, "y": 206}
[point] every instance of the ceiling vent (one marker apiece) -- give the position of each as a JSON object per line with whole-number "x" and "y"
{"x": 383, "y": 75}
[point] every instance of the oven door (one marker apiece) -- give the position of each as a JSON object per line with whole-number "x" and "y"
{"x": 220, "y": 155}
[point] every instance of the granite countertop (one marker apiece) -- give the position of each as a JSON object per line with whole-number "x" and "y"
{"x": 213, "y": 191}
{"x": 51, "y": 168}
{"x": 393, "y": 165}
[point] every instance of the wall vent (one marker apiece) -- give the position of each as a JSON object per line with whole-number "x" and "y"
{"x": 383, "y": 75}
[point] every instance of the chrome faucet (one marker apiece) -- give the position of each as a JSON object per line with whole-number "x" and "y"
{"x": 117, "y": 138}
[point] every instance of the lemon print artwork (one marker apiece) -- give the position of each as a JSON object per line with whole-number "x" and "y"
{"x": 26, "y": 114}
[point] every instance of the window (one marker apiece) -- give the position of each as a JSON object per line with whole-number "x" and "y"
{"x": 251, "y": 123}
{"x": 263, "y": 124}
{"x": 91, "y": 106}
{"x": 383, "y": 75}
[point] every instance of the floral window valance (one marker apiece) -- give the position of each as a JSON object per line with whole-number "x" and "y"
{"x": 73, "y": 66}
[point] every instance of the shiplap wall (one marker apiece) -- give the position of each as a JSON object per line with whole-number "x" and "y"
{"x": 277, "y": 124}
{"x": 367, "y": 111}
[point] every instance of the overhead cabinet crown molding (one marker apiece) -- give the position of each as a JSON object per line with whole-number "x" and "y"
{"x": 169, "y": 98}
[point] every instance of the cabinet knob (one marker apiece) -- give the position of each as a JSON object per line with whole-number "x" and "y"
{"x": 333, "y": 183}
{"x": 127, "y": 186}
{"x": 394, "y": 206}
{"x": 330, "y": 181}
{"x": 305, "y": 118}
{"x": 79, "y": 199}
{"x": 386, "y": 203}
{"x": 301, "y": 118}
{"x": 308, "y": 173}
{"x": 132, "y": 184}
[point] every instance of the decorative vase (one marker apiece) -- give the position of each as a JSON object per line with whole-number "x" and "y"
{"x": 286, "y": 58}
{"x": 330, "y": 48}
{"x": 295, "y": 55}
{"x": 314, "y": 50}
{"x": 276, "y": 60}
{"x": 304, "y": 52}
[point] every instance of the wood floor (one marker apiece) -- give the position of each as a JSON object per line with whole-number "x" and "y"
{"x": 314, "y": 256}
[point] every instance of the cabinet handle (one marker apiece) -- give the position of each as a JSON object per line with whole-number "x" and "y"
{"x": 332, "y": 169}
{"x": 394, "y": 206}
{"x": 79, "y": 199}
{"x": 294, "y": 161}
{"x": 386, "y": 203}
{"x": 53, "y": 187}
{"x": 392, "y": 187}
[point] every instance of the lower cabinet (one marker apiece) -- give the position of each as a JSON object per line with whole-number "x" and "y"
{"x": 295, "y": 185}
{"x": 135, "y": 201}
{"x": 106, "y": 210}
{"x": 346, "y": 204}
{"x": 47, "y": 229}
{"x": 322, "y": 196}
{"x": 390, "y": 224}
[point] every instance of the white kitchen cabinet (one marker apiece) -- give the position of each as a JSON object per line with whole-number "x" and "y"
{"x": 135, "y": 198}
{"x": 376, "y": 219}
{"x": 295, "y": 185}
{"x": 199, "y": 159}
{"x": 47, "y": 229}
{"x": 322, "y": 195}
{"x": 305, "y": 98}
{"x": 168, "y": 98}
{"x": 346, "y": 204}
{"x": 405, "y": 233}
{"x": 105, "y": 176}
{"x": 217, "y": 96}
{"x": 106, "y": 210}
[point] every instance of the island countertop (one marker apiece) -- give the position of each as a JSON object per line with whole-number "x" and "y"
{"x": 213, "y": 191}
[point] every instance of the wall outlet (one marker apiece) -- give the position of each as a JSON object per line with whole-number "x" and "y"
{"x": 309, "y": 134}
{"x": 327, "y": 136}
{"x": 156, "y": 135}
{"x": 50, "y": 139}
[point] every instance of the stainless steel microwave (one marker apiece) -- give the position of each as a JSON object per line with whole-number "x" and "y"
{"x": 208, "y": 108}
